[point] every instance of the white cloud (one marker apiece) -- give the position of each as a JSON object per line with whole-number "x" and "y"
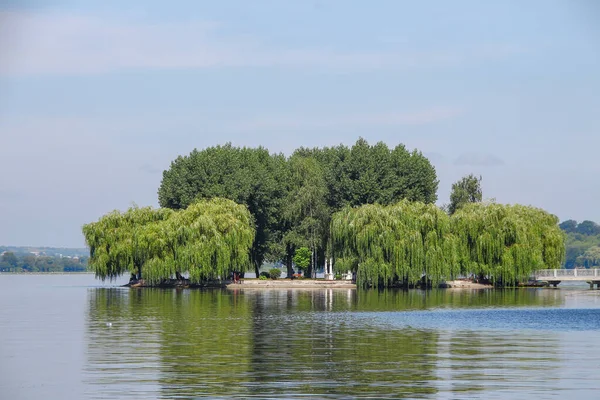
{"x": 55, "y": 43}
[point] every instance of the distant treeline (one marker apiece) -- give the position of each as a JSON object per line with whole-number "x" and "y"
{"x": 583, "y": 244}
{"x": 42, "y": 259}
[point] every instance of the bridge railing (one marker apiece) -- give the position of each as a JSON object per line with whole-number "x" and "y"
{"x": 567, "y": 273}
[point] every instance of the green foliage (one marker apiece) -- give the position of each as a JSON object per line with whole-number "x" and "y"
{"x": 251, "y": 177}
{"x": 10, "y": 259}
{"x": 569, "y": 226}
{"x": 305, "y": 209}
{"x": 590, "y": 258}
{"x": 24, "y": 261}
{"x": 262, "y": 277}
{"x": 302, "y": 257}
{"x": 589, "y": 228}
{"x": 291, "y": 200}
{"x": 365, "y": 174}
{"x": 581, "y": 238}
{"x": 274, "y": 273}
{"x": 400, "y": 242}
{"x": 466, "y": 190}
{"x": 506, "y": 243}
{"x": 209, "y": 240}
{"x": 406, "y": 241}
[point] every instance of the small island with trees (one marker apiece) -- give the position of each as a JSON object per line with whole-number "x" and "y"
{"x": 367, "y": 209}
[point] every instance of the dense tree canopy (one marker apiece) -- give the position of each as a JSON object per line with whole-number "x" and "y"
{"x": 368, "y": 206}
{"x": 305, "y": 209}
{"x": 291, "y": 200}
{"x": 399, "y": 242}
{"x": 252, "y": 177}
{"x": 365, "y": 174}
{"x": 507, "y": 243}
{"x": 406, "y": 241}
{"x": 209, "y": 240}
{"x": 588, "y": 228}
{"x": 582, "y": 238}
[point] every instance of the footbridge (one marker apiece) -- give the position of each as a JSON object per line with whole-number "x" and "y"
{"x": 556, "y": 276}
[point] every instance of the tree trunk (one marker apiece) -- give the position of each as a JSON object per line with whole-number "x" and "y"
{"x": 257, "y": 269}
{"x": 139, "y": 271}
{"x": 288, "y": 262}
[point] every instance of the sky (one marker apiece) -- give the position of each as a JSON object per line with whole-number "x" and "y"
{"x": 97, "y": 98}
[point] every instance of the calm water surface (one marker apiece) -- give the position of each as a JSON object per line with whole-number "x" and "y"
{"x": 56, "y": 342}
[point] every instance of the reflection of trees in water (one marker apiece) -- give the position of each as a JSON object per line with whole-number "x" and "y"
{"x": 206, "y": 339}
{"x": 397, "y": 300}
{"x": 182, "y": 343}
{"x": 187, "y": 343}
{"x": 300, "y": 349}
{"x": 471, "y": 362}
{"x": 122, "y": 358}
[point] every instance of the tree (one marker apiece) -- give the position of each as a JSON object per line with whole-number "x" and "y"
{"x": 578, "y": 243}
{"x": 392, "y": 244}
{"x": 302, "y": 258}
{"x": 590, "y": 258}
{"x": 588, "y": 228}
{"x": 210, "y": 239}
{"x": 466, "y": 190}
{"x": 365, "y": 174}
{"x": 305, "y": 209}
{"x": 506, "y": 243}
{"x": 407, "y": 241}
{"x": 568, "y": 226}
{"x": 10, "y": 259}
{"x": 251, "y": 177}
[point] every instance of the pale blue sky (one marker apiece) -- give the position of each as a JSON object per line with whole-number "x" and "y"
{"x": 96, "y": 98}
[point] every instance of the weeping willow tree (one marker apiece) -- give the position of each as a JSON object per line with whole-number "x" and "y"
{"x": 397, "y": 243}
{"x": 407, "y": 242}
{"x": 506, "y": 243}
{"x": 209, "y": 240}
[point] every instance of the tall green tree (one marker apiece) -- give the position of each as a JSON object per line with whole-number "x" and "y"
{"x": 466, "y": 190}
{"x": 252, "y": 177}
{"x": 305, "y": 209}
{"x": 366, "y": 174}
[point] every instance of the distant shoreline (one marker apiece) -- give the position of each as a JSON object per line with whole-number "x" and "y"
{"x": 48, "y": 273}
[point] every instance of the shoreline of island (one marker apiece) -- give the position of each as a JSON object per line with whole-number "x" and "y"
{"x": 259, "y": 284}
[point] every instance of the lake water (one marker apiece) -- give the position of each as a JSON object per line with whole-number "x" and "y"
{"x": 56, "y": 342}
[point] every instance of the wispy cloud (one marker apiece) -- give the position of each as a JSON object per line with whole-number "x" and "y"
{"x": 478, "y": 160}
{"x": 58, "y": 43}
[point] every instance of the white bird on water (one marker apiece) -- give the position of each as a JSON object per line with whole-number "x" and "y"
{"x": 109, "y": 324}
